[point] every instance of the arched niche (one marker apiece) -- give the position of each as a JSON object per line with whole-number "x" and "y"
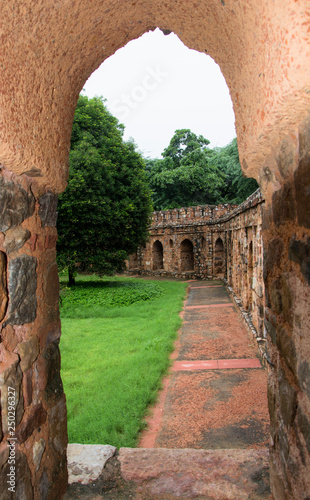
{"x": 187, "y": 255}
{"x": 219, "y": 257}
{"x": 158, "y": 255}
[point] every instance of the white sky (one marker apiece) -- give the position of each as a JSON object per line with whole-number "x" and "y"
{"x": 155, "y": 85}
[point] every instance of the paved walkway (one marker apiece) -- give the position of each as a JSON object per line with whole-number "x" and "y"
{"x": 207, "y": 436}
{"x": 216, "y": 393}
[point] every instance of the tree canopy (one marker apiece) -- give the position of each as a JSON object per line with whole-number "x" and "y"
{"x": 190, "y": 173}
{"x": 103, "y": 215}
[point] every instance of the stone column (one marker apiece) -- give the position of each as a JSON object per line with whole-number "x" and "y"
{"x": 33, "y": 428}
{"x": 286, "y": 233}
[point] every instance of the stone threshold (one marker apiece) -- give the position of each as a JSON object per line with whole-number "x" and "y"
{"x": 230, "y": 474}
{"x": 215, "y": 364}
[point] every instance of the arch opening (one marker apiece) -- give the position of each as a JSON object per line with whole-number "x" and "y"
{"x": 158, "y": 256}
{"x": 187, "y": 255}
{"x": 219, "y": 257}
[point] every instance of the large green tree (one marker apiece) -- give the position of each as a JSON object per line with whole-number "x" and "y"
{"x": 235, "y": 187}
{"x": 185, "y": 175}
{"x": 103, "y": 215}
{"x": 190, "y": 173}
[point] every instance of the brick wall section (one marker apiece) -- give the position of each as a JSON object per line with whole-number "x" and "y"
{"x": 227, "y": 242}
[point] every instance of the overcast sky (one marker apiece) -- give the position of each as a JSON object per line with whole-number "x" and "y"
{"x": 155, "y": 85}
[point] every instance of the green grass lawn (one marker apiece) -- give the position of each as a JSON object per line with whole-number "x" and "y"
{"x": 114, "y": 354}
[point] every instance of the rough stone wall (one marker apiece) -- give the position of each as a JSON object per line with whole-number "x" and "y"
{"x": 33, "y": 408}
{"x": 286, "y": 235}
{"x": 227, "y": 242}
{"x": 48, "y": 50}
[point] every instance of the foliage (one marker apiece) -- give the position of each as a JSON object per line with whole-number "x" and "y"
{"x": 235, "y": 188}
{"x": 113, "y": 361}
{"x": 192, "y": 174}
{"x": 185, "y": 176}
{"x": 104, "y": 292}
{"x": 103, "y": 215}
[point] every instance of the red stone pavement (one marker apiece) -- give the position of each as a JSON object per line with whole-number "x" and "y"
{"x": 207, "y": 435}
{"x": 215, "y": 395}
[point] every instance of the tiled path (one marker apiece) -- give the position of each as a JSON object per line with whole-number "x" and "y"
{"x": 215, "y": 395}
{"x": 207, "y": 436}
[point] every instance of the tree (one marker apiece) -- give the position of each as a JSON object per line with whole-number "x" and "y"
{"x": 185, "y": 175}
{"x": 235, "y": 188}
{"x": 103, "y": 215}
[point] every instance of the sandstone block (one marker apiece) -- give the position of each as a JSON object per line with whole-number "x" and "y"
{"x": 51, "y": 358}
{"x": 299, "y": 251}
{"x": 10, "y": 385}
{"x": 51, "y": 288}
{"x": 28, "y": 352}
{"x": 16, "y": 204}
{"x": 3, "y": 285}
{"x": 24, "y": 490}
{"x": 22, "y": 290}
{"x": 86, "y": 461}
{"x": 37, "y": 452}
{"x": 48, "y": 209}
{"x": 15, "y": 238}
{"x": 58, "y": 435}
{"x": 33, "y": 418}
{"x": 287, "y": 399}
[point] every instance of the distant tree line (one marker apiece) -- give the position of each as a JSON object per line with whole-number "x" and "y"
{"x": 189, "y": 173}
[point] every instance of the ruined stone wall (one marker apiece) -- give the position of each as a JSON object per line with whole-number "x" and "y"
{"x": 226, "y": 241}
{"x": 33, "y": 438}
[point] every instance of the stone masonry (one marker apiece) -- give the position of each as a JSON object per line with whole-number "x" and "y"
{"x": 207, "y": 241}
{"x": 48, "y": 50}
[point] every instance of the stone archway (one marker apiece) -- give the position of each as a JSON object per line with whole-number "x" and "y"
{"x": 48, "y": 50}
{"x": 187, "y": 256}
{"x": 158, "y": 256}
{"x": 219, "y": 257}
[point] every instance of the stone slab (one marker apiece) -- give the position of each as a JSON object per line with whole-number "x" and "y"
{"x": 215, "y": 409}
{"x": 86, "y": 461}
{"x": 209, "y": 474}
{"x": 208, "y": 295}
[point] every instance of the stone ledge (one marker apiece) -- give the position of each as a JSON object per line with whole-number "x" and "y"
{"x": 86, "y": 461}
{"x": 236, "y": 474}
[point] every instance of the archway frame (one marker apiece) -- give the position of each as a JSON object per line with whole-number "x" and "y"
{"x": 260, "y": 48}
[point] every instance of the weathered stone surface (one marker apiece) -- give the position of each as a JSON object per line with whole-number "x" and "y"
{"x": 16, "y": 204}
{"x": 28, "y": 352}
{"x": 51, "y": 357}
{"x": 304, "y": 427}
{"x": 10, "y": 377}
{"x": 34, "y": 417}
{"x": 15, "y": 238}
{"x": 86, "y": 461}
{"x": 304, "y": 376}
{"x": 287, "y": 157}
{"x": 48, "y": 209}
{"x": 58, "y": 435}
{"x": 299, "y": 251}
{"x": 273, "y": 255}
{"x": 37, "y": 453}
{"x": 302, "y": 186}
{"x": 216, "y": 474}
{"x": 27, "y": 387}
{"x": 51, "y": 287}
{"x": 3, "y": 285}
{"x": 24, "y": 490}
{"x": 287, "y": 399}
{"x": 283, "y": 205}
{"x": 286, "y": 347}
{"x": 22, "y": 290}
